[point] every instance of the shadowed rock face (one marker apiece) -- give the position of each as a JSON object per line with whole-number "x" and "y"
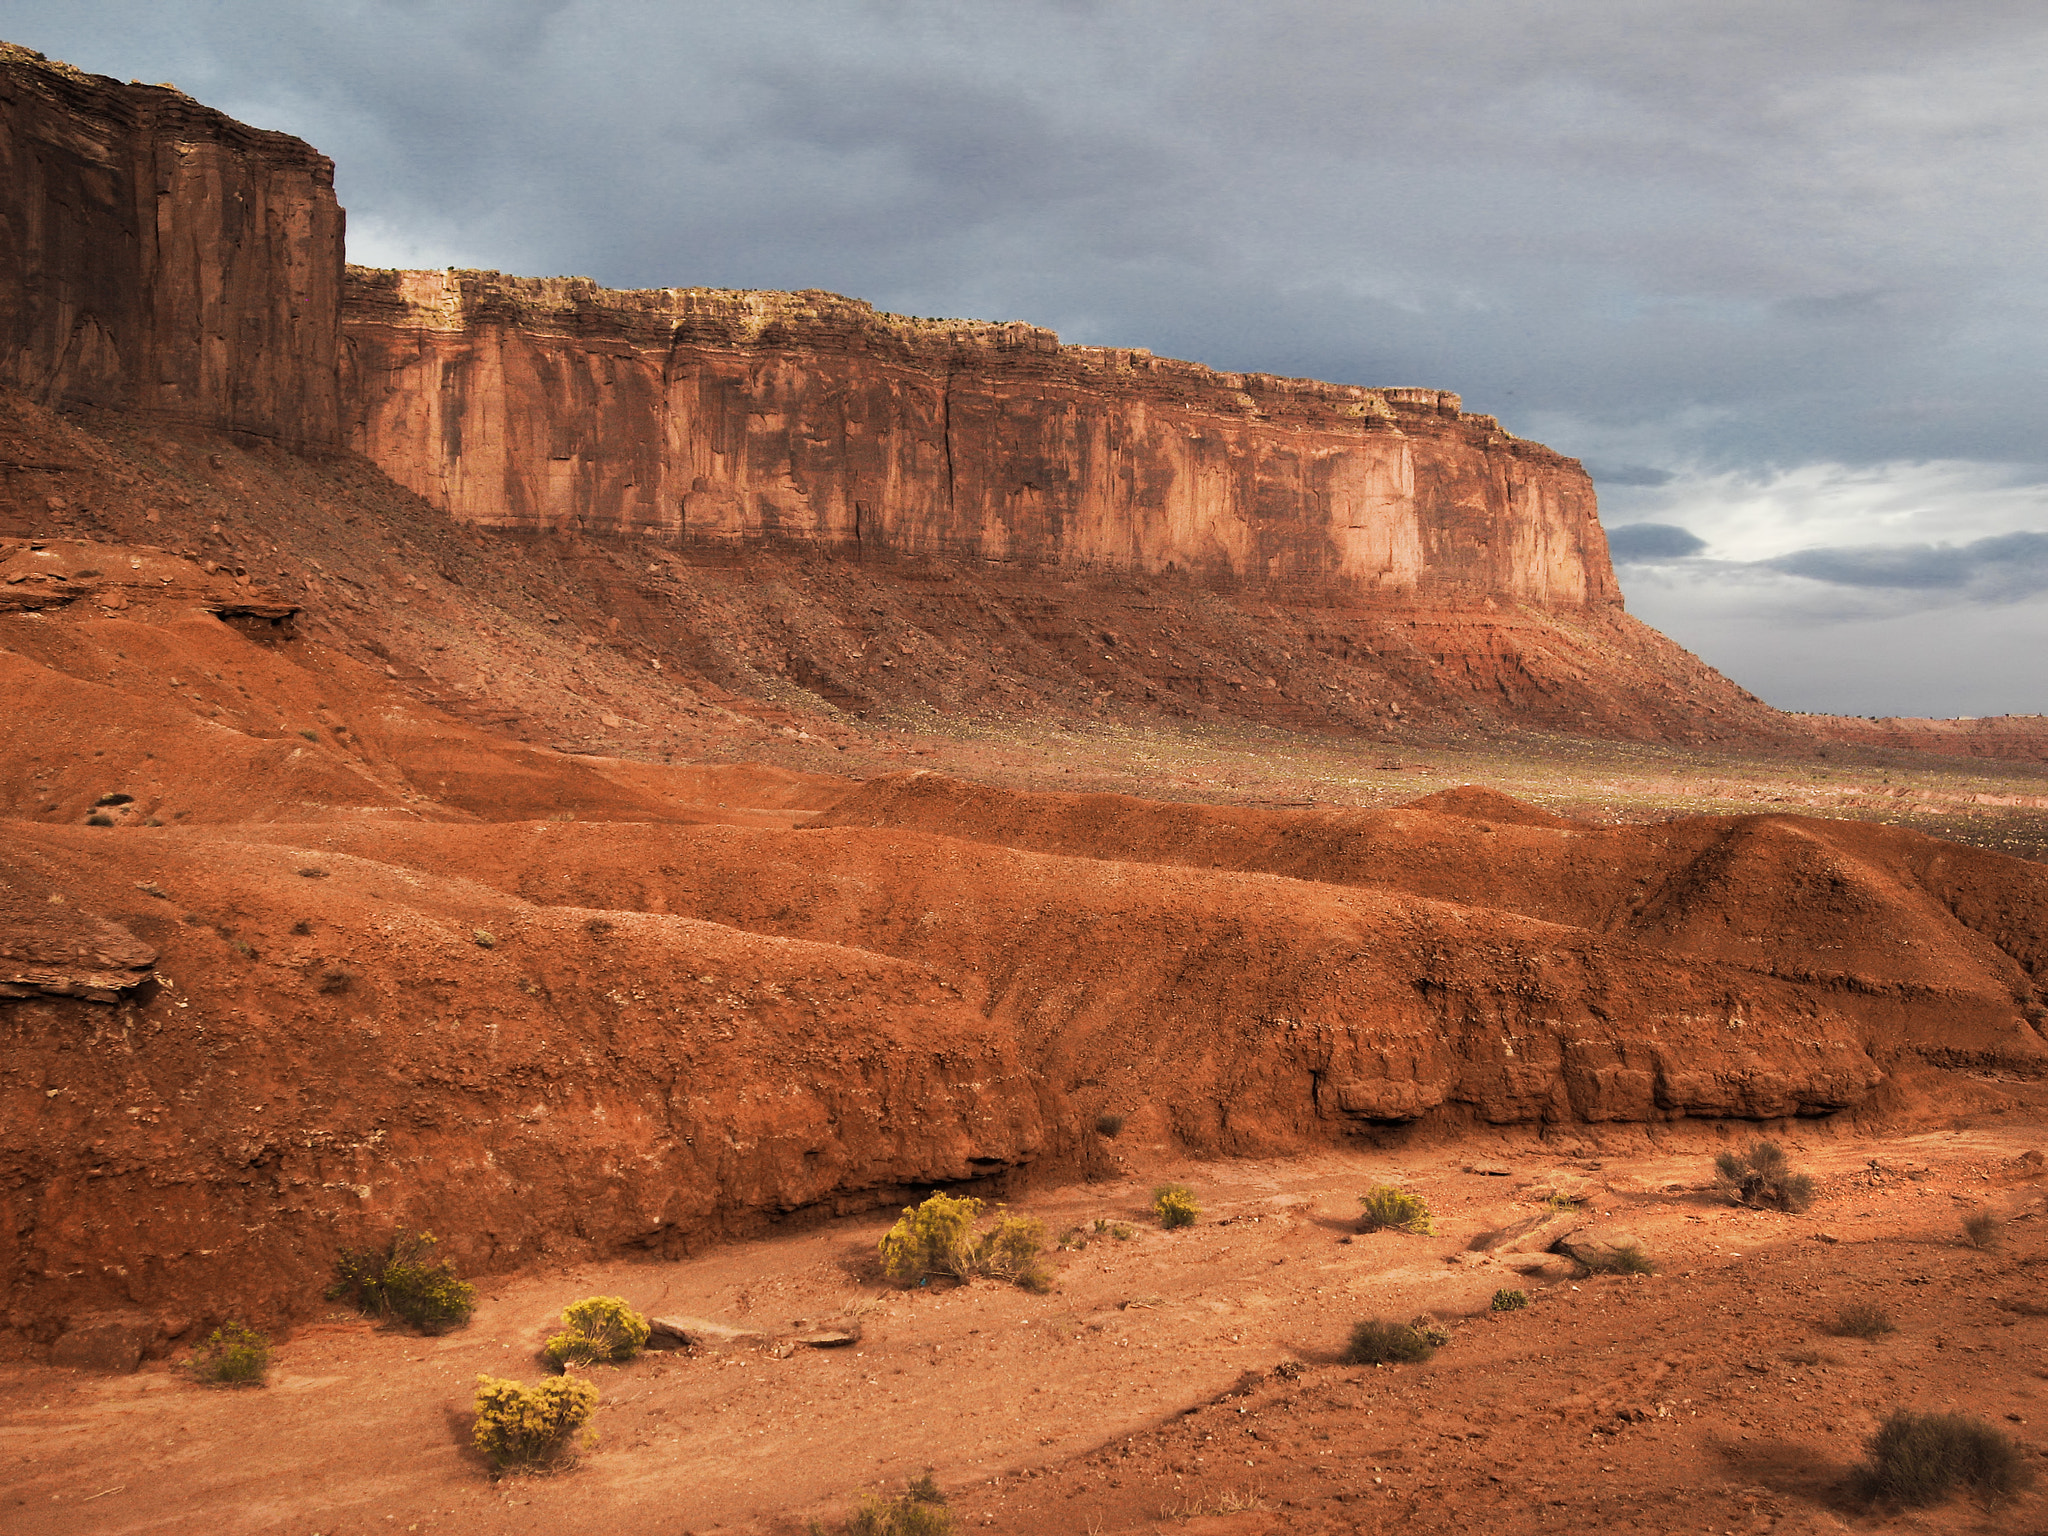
{"x": 806, "y": 417}
{"x": 159, "y": 257}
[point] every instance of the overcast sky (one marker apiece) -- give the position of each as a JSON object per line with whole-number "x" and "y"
{"x": 1776, "y": 271}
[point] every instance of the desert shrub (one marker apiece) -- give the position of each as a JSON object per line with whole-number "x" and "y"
{"x": 1922, "y": 1458}
{"x": 1510, "y": 1301}
{"x": 232, "y": 1356}
{"x": 522, "y": 1426}
{"x": 1628, "y": 1259}
{"x": 1108, "y": 1125}
{"x": 1761, "y": 1176}
{"x": 1374, "y": 1342}
{"x": 1387, "y": 1207}
{"x": 920, "y": 1510}
{"x": 939, "y": 1238}
{"x": 598, "y": 1329}
{"x": 1122, "y": 1231}
{"x": 1010, "y": 1250}
{"x": 1861, "y": 1320}
{"x": 1983, "y": 1229}
{"x": 934, "y": 1238}
{"x": 403, "y": 1282}
{"x": 1563, "y": 1205}
{"x": 1175, "y": 1205}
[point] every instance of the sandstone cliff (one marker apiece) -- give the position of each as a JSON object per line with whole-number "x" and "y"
{"x": 709, "y": 415}
{"x": 162, "y": 258}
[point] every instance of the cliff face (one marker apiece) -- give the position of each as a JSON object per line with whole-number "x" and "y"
{"x": 709, "y": 415}
{"x": 159, "y": 257}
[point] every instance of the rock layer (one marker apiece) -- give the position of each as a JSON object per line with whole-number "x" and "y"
{"x": 162, "y": 258}
{"x": 709, "y": 415}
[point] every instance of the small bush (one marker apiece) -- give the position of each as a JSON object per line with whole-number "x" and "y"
{"x": 1918, "y": 1459}
{"x": 1388, "y": 1207}
{"x": 1175, "y": 1206}
{"x": 1510, "y": 1301}
{"x": 1761, "y": 1177}
{"x": 598, "y": 1329}
{"x": 919, "y": 1511}
{"x": 1122, "y": 1231}
{"x": 401, "y": 1282}
{"x": 934, "y": 1238}
{"x": 1010, "y": 1250}
{"x": 1381, "y": 1343}
{"x": 232, "y": 1356}
{"x": 1862, "y": 1321}
{"x": 1983, "y": 1229}
{"x": 1625, "y": 1260}
{"x": 522, "y": 1426}
{"x": 1108, "y": 1126}
{"x": 939, "y": 1238}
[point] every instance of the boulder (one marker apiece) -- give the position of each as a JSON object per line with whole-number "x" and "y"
{"x": 700, "y": 1333}
{"x": 1596, "y": 1247}
{"x": 1527, "y": 1234}
{"x": 113, "y": 1342}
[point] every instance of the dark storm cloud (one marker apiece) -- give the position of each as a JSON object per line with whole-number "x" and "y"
{"x": 2005, "y": 566}
{"x": 1628, "y": 474}
{"x": 1642, "y": 543}
{"x": 1734, "y": 237}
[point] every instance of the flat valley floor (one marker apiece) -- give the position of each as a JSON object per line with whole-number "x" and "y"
{"x": 1177, "y": 1382}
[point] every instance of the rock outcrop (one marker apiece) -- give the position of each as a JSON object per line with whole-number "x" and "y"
{"x": 707, "y": 415}
{"x": 160, "y": 257}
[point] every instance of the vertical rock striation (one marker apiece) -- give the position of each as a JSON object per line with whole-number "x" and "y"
{"x": 710, "y": 415}
{"x": 159, "y": 257}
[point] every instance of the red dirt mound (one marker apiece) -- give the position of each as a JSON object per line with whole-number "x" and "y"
{"x": 1225, "y": 1011}
{"x": 198, "y": 718}
{"x": 1478, "y": 803}
{"x": 334, "y": 1048}
{"x": 1937, "y": 945}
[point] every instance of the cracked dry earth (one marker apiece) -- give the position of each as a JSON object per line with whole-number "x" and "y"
{"x": 1174, "y": 1382}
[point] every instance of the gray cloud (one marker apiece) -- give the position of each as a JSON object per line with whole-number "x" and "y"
{"x": 1732, "y": 235}
{"x": 2003, "y": 567}
{"x": 1643, "y": 543}
{"x": 1628, "y": 474}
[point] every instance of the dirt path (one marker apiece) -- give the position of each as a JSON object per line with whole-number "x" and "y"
{"x": 1144, "y": 1393}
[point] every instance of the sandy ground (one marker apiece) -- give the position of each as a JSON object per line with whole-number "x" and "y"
{"x": 1173, "y": 1381}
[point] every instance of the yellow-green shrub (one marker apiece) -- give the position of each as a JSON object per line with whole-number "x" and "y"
{"x": 934, "y": 1238}
{"x": 1390, "y": 1207}
{"x": 919, "y": 1511}
{"x": 1175, "y": 1205}
{"x": 400, "y": 1282}
{"x": 522, "y": 1426}
{"x": 939, "y": 1238}
{"x": 232, "y": 1356}
{"x": 597, "y": 1329}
